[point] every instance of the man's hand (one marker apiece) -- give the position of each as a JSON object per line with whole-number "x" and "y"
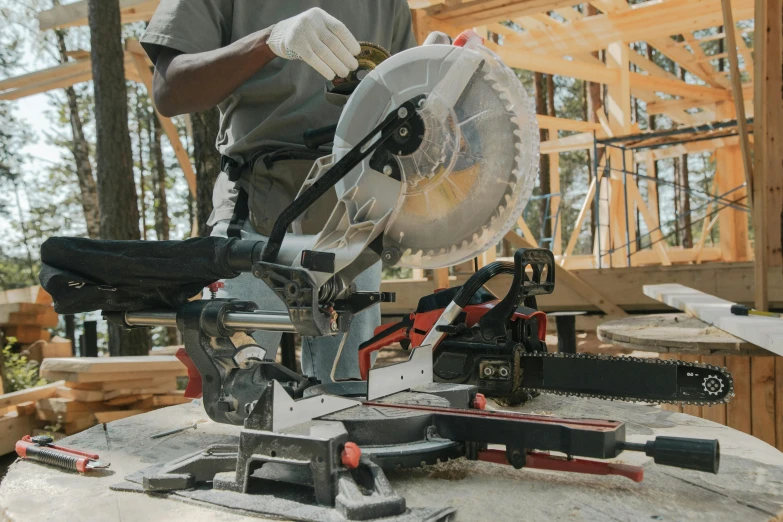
{"x": 320, "y": 40}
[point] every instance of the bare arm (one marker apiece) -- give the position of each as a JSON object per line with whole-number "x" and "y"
{"x": 186, "y": 83}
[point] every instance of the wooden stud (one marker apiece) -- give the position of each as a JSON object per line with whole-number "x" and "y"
{"x": 738, "y": 410}
{"x": 733, "y": 223}
{"x": 715, "y": 413}
{"x": 779, "y": 402}
{"x": 762, "y": 397}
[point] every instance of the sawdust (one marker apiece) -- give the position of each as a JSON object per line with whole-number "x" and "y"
{"x": 449, "y": 474}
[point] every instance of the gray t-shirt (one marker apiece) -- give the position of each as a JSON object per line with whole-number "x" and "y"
{"x": 286, "y": 98}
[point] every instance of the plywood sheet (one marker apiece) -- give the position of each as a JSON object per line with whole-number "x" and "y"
{"x": 766, "y": 332}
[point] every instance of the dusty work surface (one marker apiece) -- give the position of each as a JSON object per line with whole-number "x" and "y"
{"x": 748, "y": 488}
{"x": 674, "y": 333}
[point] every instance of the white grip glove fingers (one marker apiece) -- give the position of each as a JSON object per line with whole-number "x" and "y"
{"x": 318, "y": 39}
{"x": 344, "y": 34}
{"x": 341, "y": 53}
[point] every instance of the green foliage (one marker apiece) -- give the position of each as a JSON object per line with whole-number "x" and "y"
{"x": 19, "y": 373}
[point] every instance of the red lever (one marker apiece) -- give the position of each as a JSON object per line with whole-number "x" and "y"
{"x": 468, "y": 39}
{"x": 194, "y": 389}
{"x": 480, "y": 402}
{"x": 351, "y": 455}
{"x": 215, "y": 287}
{"x": 538, "y": 460}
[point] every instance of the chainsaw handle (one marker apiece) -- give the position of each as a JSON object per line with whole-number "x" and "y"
{"x": 385, "y": 336}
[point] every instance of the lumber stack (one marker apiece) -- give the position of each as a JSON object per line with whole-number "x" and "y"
{"x": 104, "y": 389}
{"x": 26, "y": 314}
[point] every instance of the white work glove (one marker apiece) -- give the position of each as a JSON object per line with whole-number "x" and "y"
{"x": 320, "y": 40}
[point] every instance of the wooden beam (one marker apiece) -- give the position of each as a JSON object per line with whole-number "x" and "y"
{"x": 736, "y": 87}
{"x": 678, "y": 88}
{"x": 562, "y": 124}
{"x": 586, "y": 206}
{"x": 640, "y": 22}
{"x": 688, "y": 148}
{"x": 143, "y": 68}
{"x": 768, "y": 132}
{"x": 553, "y": 64}
{"x": 581, "y": 141}
{"x": 473, "y": 13}
{"x": 75, "y": 14}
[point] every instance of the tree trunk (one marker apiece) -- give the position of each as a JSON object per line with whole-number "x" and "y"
{"x": 207, "y": 158}
{"x": 162, "y": 222}
{"x": 81, "y": 154}
{"x": 116, "y": 188}
{"x": 685, "y": 196}
{"x": 140, "y": 119}
{"x": 685, "y": 204}
{"x": 677, "y": 200}
{"x": 545, "y": 185}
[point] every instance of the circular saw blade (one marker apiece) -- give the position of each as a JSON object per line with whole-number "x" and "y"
{"x": 471, "y": 178}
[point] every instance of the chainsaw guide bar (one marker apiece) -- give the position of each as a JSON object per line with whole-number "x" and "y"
{"x": 635, "y": 379}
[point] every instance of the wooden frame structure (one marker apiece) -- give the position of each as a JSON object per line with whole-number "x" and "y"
{"x": 556, "y": 37}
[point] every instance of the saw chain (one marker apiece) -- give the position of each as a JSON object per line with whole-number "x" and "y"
{"x": 629, "y": 379}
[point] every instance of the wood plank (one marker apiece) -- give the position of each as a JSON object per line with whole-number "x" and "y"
{"x": 715, "y": 413}
{"x": 75, "y": 13}
{"x": 113, "y": 394}
{"x": 630, "y": 25}
{"x": 81, "y": 378}
{"x": 33, "y": 394}
{"x": 766, "y": 332}
{"x": 762, "y": 399}
{"x": 64, "y": 418}
{"x": 130, "y": 399}
{"x": 77, "y": 426}
{"x": 779, "y": 402}
{"x": 13, "y": 427}
{"x": 738, "y": 410}
{"x": 139, "y": 365}
{"x": 80, "y": 395}
{"x": 62, "y": 405}
{"x": 25, "y": 408}
{"x": 169, "y": 382}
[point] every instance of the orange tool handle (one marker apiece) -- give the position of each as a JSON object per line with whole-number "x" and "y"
{"x": 538, "y": 460}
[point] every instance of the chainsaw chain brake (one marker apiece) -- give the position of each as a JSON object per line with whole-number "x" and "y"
{"x": 723, "y": 372}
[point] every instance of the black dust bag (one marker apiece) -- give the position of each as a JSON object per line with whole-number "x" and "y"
{"x": 85, "y": 275}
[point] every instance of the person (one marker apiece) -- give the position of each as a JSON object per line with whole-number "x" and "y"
{"x": 265, "y": 65}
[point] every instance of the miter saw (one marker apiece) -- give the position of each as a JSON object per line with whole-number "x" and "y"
{"x": 434, "y": 159}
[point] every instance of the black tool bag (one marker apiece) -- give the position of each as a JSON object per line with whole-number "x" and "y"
{"x": 85, "y": 275}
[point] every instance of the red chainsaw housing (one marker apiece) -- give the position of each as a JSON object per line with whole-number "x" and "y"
{"x": 415, "y": 328}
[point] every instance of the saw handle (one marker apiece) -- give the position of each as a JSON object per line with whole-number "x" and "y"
{"x": 315, "y": 138}
{"x": 678, "y": 452}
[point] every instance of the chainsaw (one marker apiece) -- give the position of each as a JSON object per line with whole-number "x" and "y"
{"x": 433, "y": 161}
{"x": 499, "y": 346}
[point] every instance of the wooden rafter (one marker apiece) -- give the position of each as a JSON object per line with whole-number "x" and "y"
{"x": 597, "y": 32}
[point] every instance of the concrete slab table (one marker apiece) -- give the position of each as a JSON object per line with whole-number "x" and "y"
{"x": 749, "y": 486}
